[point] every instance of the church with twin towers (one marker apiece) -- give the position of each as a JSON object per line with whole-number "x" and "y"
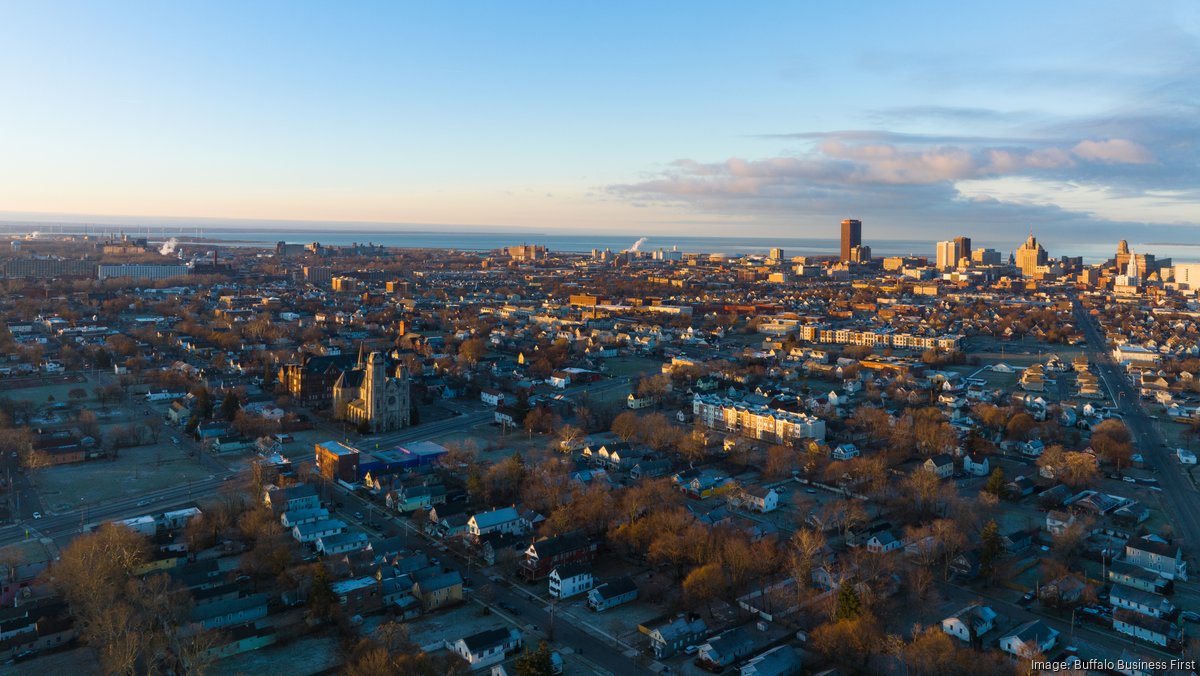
{"x": 374, "y": 395}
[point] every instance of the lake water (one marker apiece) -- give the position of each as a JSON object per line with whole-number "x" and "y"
{"x": 430, "y": 238}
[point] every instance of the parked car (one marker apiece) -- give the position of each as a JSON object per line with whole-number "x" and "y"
{"x": 1028, "y": 598}
{"x": 1189, "y": 616}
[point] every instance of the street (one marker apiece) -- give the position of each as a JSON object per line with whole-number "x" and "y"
{"x": 1177, "y": 488}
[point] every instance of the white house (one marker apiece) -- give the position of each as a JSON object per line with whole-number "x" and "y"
{"x": 341, "y": 543}
{"x": 1029, "y": 639}
{"x": 491, "y": 397}
{"x": 976, "y": 465}
{"x": 487, "y": 647}
{"x": 845, "y": 452}
{"x": 1156, "y": 554}
{"x": 299, "y": 516}
{"x": 503, "y": 520}
{"x": 761, "y": 499}
{"x": 1151, "y": 629}
{"x": 612, "y": 593}
{"x": 941, "y": 465}
{"x": 882, "y": 542}
{"x": 315, "y": 530}
{"x": 635, "y": 402}
{"x": 1144, "y": 602}
{"x": 972, "y": 621}
{"x": 570, "y": 579}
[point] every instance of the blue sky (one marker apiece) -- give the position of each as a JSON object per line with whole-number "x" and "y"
{"x": 671, "y": 117}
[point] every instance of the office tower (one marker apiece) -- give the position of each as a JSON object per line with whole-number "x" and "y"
{"x": 947, "y": 255}
{"x": 851, "y": 236}
{"x": 1030, "y": 256}
{"x": 985, "y": 257}
{"x": 860, "y": 254}
{"x": 1123, "y": 255}
{"x": 964, "y": 247}
{"x": 776, "y": 254}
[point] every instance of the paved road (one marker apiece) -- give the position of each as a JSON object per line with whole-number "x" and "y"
{"x": 1177, "y": 488}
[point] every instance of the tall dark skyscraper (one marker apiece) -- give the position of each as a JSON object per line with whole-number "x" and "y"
{"x": 851, "y": 236}
{"x": 964, "y": 247}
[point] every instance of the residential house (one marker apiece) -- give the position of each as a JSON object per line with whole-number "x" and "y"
{"x": 1017, "y": 541}
{"x": 1064, "y": 591}
{"x": 1058, "y": 522}
{"x": 491, "y": 397}
{"x": 650, "y": 469}
{"x": 315, "y": 530}
{"x": 542, "y": 556}
{"x": 966, "y": 565}
{"x": 303, "y": 496}
{"x": 1121, "y": 572}
{"x": 230, "y": 612}
{"x": 969, "y": 623}
{"x": 845, "y": 452}
{"x": 1154, "y": 630}
{"x": 341, "y": 543}
{"x": 504, "y": 520}
{"x": 1054, "y": 497}
{"x": 1156, "y": 554}
{"x": 941, "y": 465}
{"x": 671, "y": 637}
{"x": 726, "y": 648}
{"x": 612, "y": 593}
{"x": 883, "y": 541}
{"x": 760, "y": 499}
{"x": 358, "y": 596}
{"x": 1144, "y": 602}
{"x": 703, "y": 483}
{"x": 1019, "y": 487}
{"x": 437, "y": 589}
{"x": 570, "y": 579}
{"x": 781, "y": 660}
{"x": 1030, "y": 640}
{"x": 976, "y": 465}
{"x": 488, "y": 647}
{"x": 298, "y": 516}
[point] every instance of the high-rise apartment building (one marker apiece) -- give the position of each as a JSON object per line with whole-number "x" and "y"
{"x": 851, "y": 236}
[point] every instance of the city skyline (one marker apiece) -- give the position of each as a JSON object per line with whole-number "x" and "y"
{"x": 767, "y": 121}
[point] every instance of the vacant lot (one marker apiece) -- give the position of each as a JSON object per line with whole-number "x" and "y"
{"x": 633, "y": 366}
{"x": 135, "y": 471}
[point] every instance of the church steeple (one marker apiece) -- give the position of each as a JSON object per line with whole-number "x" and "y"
{"x": 361, "y": 352}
